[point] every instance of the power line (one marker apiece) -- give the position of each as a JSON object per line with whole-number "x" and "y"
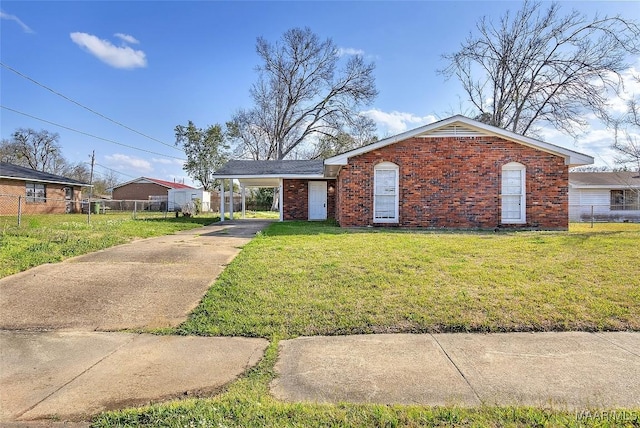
{"x": 113, "y": 170}
{"x": 85, "y": 107}
{"x": 89, "y": 135}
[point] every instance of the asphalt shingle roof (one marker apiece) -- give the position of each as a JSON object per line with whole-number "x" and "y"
{"x": 626, "y": 178}
{"x": 8, "y": 170}
{"x": 272, "y": 167}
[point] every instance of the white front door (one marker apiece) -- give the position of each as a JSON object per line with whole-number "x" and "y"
{"x": 317, "y": 200}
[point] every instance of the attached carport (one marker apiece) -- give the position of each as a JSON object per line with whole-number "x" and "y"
{"x": 270, "y": 173}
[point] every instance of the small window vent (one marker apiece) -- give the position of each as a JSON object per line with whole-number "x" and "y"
{"x": 454, "y": 130}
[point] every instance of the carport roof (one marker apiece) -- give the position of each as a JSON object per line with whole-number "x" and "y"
{"x": 243, "y": 168}
{"x": 268, "y": 173}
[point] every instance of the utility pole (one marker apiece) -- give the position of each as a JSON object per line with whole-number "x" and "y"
{"x": 93, "y": 158}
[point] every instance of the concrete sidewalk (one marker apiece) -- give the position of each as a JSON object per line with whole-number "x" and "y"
{"x": 567, "y": 371}
{"x": 74, "y": 375}
{"x": 53, "y": 363}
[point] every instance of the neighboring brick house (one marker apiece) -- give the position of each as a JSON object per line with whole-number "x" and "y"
{"x": 144, "y": 189}
{"x": 36, "y": 192}
{"x": 455, "y": 173}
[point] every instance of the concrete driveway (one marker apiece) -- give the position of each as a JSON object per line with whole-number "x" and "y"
{"x": 149, "y": 283}
{"x": 57, "y": 355}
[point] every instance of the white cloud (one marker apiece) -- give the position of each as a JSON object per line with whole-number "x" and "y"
{"x": 163, "y": 161}
{"x": 396, "y": 122}
{"x": 115, "y": 56}
{"x": 139, "y": 166}
{"x": 14, "y": 18}
{"x": 349, "y": 51}
{"x": 127, "y": 38}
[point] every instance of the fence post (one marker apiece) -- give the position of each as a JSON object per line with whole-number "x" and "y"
{"x": 591, "y": 216}
{"x": 19, "y": 210}
{"x": 135, "y": 209}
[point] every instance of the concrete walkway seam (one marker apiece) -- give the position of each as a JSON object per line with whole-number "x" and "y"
{"x": 61, "y": 387}
{"x": 458, "y": 369}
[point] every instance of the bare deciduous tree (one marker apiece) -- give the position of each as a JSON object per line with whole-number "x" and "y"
{"x": 302, "y": 94}
{"x": 538, "y": 66}
{"x": 627, "y": 138}
{"x": 362, "y": 133}
{"x": 38, "y": 150}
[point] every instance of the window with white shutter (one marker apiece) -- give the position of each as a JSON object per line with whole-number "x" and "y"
{"x": 513, "y": 193}
{"x": 385, "y": 193}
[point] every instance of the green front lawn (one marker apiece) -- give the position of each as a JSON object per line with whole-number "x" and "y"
{"x": 303, "y": 278}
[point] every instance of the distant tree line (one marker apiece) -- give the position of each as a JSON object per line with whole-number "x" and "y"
{"x": 41, "y": 151}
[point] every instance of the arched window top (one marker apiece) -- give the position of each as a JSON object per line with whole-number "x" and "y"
{"x": 513, "y": 165}
{"x": 386, "y": 165}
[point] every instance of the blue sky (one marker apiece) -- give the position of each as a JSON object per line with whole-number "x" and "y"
{"x": 154, "y": 65}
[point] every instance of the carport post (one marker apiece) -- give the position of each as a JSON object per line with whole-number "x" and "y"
{"x": 222, "y": 201}
{"x": 281, "y": 198}
{"x": 231, "y": 199}
{"x": 244, "y": 207}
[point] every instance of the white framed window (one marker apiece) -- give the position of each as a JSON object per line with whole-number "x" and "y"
{"x": 625, "y": 199}
{"x": 36, "y": 192}
{"x": 385, "y": 193}
{"x": 513, "y": 194}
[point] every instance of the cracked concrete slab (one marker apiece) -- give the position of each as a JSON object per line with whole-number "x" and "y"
{"x": 573, "y": 370}
{"x": 73, "y": 375}
{"x": 566, "y": 371}
{"x": 381, "y": 368}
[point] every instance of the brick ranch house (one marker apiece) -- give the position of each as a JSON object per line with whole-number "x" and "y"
{"x": 455, "y": 173}
{"x": 37, "y": 192}
{"x": 143, "y": 188}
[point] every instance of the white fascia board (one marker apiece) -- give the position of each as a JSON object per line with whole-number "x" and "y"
{"x": 604, "y": 186}
{"x": 137, "y": 180}
{"x": 32, "y": 180}
{"x": 284, "y": 176}
{"x": 571, "y": 157}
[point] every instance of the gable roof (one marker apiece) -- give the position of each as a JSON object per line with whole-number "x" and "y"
{"x": 16, "y": 172}
{"x": 462, "y": 126}
{"x": 604, "y": 180}
{"x": 163, "y": 183}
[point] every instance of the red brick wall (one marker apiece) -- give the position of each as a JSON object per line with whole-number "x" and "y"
{"x": 139, "y": 191}
{"x": 455, "y": 182}
{"x": 296, "y": 199}
{"x": 331, "y": 198}
{"x": 55, "y": 202}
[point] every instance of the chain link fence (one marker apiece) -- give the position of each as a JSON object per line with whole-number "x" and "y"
{"x": 605, "y": 213}
{"x": 16, "y": 209}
